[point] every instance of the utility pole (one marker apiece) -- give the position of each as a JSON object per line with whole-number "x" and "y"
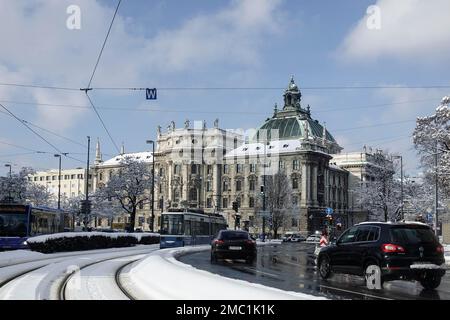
{"x": 59, "y": 181}
{"x": 264, "y": 194}
{"x": 86, "y": 186}
{"x": 401, "y": 186}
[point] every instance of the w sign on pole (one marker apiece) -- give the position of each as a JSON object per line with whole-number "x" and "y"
{"x": 151, "y": 94}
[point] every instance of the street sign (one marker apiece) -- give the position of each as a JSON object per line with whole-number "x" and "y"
{"x": 263, "y": 214}
{"x": 329, "y": 211}
{"x": 151, "y": 94}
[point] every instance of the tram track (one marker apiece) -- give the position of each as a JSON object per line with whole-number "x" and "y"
{"x": 63, "y": 286}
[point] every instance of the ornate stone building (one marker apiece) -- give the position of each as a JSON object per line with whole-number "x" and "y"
{"x": 211, "y": 168}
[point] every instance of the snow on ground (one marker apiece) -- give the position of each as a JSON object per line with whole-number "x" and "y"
{"x": 44, "y": 282}
{"x": 161, "y": 276}
{"x": 9, "y": 257}
{"x": 137, "y": 235}
{"x": 24, "y": 256}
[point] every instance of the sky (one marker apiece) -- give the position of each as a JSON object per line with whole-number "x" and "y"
{"x": 170, "y": 44}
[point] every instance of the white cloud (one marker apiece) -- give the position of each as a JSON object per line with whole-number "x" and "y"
{"x": 37, "y": 47}
{"x": 412, "y": 29}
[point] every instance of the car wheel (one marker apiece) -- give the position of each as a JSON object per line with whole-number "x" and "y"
{"x": 213, "y": 258}
{"x": 372, "y": 274}
{"x": 324, "y": 267}
{"x": 431, "y": 281}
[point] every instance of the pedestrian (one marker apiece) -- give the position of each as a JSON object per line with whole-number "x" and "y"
{"x": 323, "y": 239}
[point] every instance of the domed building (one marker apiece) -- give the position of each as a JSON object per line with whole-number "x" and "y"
{"x": 294, "y": 145}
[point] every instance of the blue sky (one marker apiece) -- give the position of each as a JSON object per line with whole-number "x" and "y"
{"x": 256, "y": 43}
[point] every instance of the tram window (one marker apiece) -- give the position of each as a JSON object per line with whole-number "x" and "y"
{"x": 187, "y": 228}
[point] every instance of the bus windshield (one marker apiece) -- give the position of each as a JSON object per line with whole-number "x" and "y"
{"x": 13, "y": 224}
{"x": 172, "y": 224}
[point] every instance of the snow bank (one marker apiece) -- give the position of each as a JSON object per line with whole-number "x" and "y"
{"x": 114, "y": 235}
{"x": 9, "y": 257}
{"x": 162, "y": 276}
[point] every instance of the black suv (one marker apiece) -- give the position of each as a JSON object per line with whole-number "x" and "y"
{"x": 231, "y": 244}
{"x": 397, "y": 251}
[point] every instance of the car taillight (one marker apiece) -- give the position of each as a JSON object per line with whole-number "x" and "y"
{"x": 440, "y": 249}
{"x": 219, "y": 242}
{"x": 391, "y": 248}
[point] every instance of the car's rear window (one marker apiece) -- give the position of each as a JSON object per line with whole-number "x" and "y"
{"x": 233, "y": 235}
{"x": 412, "y": 235}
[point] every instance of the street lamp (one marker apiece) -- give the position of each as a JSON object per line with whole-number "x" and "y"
{"x": 59, "y": 181}
{"x": 9, "y": 187}
{"x": 401, "y": 178}
{"x": 153, "y": 182}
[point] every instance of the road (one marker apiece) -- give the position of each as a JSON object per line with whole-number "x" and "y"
{"x": 291, "y": 266}
{"x": 89, "y": 275}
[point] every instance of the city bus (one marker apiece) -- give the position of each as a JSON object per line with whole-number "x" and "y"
{"x": 18, "y": 222}
{"x": 189, "y": 227}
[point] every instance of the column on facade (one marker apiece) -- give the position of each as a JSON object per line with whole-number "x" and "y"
{"x": 305, "y": 184}
{"x": 185, "y": 177}
{"x": 314, "y": 185}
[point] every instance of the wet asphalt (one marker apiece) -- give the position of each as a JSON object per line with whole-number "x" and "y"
{"x": 291, "y": 267}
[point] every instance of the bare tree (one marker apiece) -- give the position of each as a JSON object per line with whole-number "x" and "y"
{"x": 22, "y": 190}
{"x": 380, "y": 192}
{"x": 432, "y": 136}
{"x": 129, "y": 187}
{"x": 278, "y": 193}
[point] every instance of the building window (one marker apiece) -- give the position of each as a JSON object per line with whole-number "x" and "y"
{"x": 281, "y": 165}
{"x": 295, "y": 165}
{"x": 226, "y": 169}
{"x": 208, "y": 185}
{"x": 251, "y": 202}
{"x": 295, "y": 183}
{"x": 161, "y": 172}
{"x": 41, "y": 178}
{"x": 141, "y": 205}
{"x": 295, "y": 201}
{"x": 47, "y": 178}
{"x": 80, "y": 176}
{"x": 239, "y": 168}
{"x": 226, "y": 186}
{"x": 251, "y": 185}
{"x": 209, "y": 169}
{"x": 208, "y": 202}
{"x": 194, "y": 169}
{"x": 160, "y": 188}
{"x": 294, "y": 222}
{"x": 252, "y": 167}
{"x": 35, "y": 178}
{"x": 238, "y": 185}
{"x": 176, "y": 169}
{"x": 100, "y": 176}
{"x": 225, "y": 203}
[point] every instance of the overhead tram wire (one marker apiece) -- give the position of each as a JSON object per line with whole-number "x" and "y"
{"x": 275, "y": 88}
{"x": 88, "y": 88}
{"x": 210, "y": 112}
{"x": 37, "y": 134}
{"x": 48, "y": 131}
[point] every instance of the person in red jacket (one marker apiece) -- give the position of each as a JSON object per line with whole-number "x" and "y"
{"x": 323, "y": 239}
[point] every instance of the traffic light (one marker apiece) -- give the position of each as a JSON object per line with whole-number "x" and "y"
{"x": 85, "y": 206}
{"x": 235, "y": 206}
{"x": 262, "y": 189}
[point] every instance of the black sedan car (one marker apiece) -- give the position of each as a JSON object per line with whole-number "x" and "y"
{"x": 386, "y": 251}
{"x": 233, "y": 244}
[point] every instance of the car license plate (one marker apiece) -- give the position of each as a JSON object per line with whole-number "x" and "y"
{"x": 424, "y": 265}
{"x": 235, "y": 248}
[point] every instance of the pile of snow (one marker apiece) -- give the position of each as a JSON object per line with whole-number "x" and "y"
{"x": 114, "y": 235}
{"x": 161, "y": 276}
{"x": 9, "y": 257}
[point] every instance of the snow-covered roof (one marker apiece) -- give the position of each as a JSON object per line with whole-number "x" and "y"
{"x": 274, "y": 147}
{"x": 138, "y": 156}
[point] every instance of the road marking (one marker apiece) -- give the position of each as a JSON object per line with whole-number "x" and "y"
{"x": 355, "y": 292}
